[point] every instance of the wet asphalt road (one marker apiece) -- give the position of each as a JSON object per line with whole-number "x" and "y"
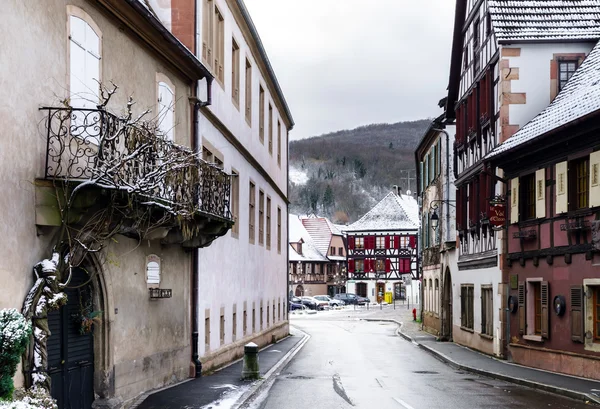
{"x": 349, "y": 363}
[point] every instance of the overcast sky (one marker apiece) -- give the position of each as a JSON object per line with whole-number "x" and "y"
{"x": 346, "y": 63}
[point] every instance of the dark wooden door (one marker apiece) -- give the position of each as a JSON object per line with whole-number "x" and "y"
{"x": 71, "y": 353}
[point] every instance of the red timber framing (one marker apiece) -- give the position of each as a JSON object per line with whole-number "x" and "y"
{"x": 475, "y": 137}
{"x": 382, "y": 256}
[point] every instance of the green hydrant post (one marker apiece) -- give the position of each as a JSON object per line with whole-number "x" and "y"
{"x": 250, "y": 369}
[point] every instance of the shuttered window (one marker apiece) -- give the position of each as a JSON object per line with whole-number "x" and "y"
{"x": 594, "y": 179}
{"x": 562, "y": 201}
{"x": 527, "y": 190}
{"x": 514, "y": 200}
{"x": 466, "y": 306}
{"x": 577, "y": 317}
{"x": 522, "y": 306}
{"x": 235, "y": 73}
{"x": 540, "y": 193}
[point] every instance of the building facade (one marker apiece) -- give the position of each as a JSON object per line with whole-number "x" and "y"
{"x": 382, "y": 251}
{"x": 307, "y": 267}
{"x": 330, "y": 242}
{"x": 92, "y": 180}
{"x": 502, "y": 75}
{"x": 437, "y": 198}
{"x": 242, "y": 278}
{"x": 552, "y": 165}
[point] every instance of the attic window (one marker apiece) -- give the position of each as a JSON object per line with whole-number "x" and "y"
{"x": 152, "y": 270}
{"x": 299, "y": 247}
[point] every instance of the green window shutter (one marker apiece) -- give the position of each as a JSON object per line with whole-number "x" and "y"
{"x": 439, "y": 151}
{"x": 421, "y": 177}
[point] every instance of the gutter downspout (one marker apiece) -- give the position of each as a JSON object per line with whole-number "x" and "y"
{"x": 196, "y": 145}
{"x": 447, "y": 180}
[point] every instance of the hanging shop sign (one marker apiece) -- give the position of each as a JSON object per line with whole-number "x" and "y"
{"x": 497, "y": 215}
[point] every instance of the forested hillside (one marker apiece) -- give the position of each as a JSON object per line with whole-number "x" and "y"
{"x": 343, "y": 174}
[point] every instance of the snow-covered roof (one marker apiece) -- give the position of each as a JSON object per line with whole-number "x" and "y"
{"x": 393, "y": 212}
{"x": 548, "y": 20}
{"x": 320, "y": 230}
{"x": 579, "y": 97}
{"x": 297, "y": 232}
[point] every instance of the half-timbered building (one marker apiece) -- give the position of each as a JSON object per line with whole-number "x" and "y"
{"x": 382, "y": 250}
{"x": 509, "y": 60}
{"x": 437, "y": 246}
{"x": 330, "y": 242}
{"x": 307, "y": 267}
{"x": 553, "y": 241}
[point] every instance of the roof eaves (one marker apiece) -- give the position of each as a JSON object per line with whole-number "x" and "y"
{"x": 263, "y": 55}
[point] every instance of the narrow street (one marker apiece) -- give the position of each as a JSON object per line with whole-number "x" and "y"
{"x": 349, "y": 362}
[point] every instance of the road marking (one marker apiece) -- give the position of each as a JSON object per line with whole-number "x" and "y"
{"x": 406, "y": 405}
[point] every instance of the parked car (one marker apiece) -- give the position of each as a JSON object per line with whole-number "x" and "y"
{"x": 350, "y": 298}
{"x": 296, "y": 305}
{"x": 332, "y": 301}
{"x": 321, "y": 305}
{"x": 308, "y": 303}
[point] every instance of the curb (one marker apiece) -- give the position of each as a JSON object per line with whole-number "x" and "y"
{"x": 267, "y": 380}
{"x": 494, "y": 375}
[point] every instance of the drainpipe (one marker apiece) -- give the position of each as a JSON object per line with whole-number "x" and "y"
{"x": 447, "y": 199}
{"x": 197, "y": 146}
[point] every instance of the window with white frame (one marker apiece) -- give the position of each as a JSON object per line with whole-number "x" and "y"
{"x": 166, "y": 109}
{"x": 85, "y": 45}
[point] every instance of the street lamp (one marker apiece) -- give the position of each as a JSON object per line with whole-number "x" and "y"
{"x": 435, "y": 219}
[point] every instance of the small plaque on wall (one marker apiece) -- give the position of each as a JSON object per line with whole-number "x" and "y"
{"x": 514, "y": 281}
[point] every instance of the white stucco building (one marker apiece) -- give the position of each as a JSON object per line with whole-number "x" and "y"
{"x": 242, "y": 278}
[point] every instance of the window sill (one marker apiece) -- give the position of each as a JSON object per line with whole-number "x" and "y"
{"x": 535, "y": 338}
{"x": 467, "y": 329}
{"x": 486, "y": 336}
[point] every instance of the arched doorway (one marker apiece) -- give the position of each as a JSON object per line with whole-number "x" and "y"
{"x": 299, "y": 291}
{"x": 71, "y": 344}
{"x": 447, "y": 306}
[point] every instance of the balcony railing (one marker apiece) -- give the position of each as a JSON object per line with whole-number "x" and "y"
{"x": 93, "y": 145}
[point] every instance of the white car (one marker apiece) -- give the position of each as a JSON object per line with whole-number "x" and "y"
{"x": 332, "y": 302}
{"x": 321, "y": 304}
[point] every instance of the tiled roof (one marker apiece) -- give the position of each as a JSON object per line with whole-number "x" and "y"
{"x": 319, "y": 231}
{"x": 530, "y": 20}
{"x": 580, "y": 97}
{"x": 393, "y": 212}
{"x": 309, "y": 249}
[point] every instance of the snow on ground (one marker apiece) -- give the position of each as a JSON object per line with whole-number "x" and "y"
{"x": 297, "y": 176}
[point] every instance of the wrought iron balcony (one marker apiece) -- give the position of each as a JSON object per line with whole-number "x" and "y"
{"x": 96, "y": 147}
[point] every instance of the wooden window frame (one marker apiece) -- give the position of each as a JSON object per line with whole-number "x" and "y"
{"x": 261, "y": 114}
{"x": 467, "y": 306}
{"x": 487, "y": 310}
{"x": 270, "y": 127}
{"x": 528, "y": 197}
{"x": 578, "y": 186}
{"x": 235, "y": 203}
{"x": 279, "y": 143}
{"x": 235, "y": 73}
{"x": 596, "y": 304}
{"x": 219, "y": 46}
{"x": 565, "y": 63}
{"x": 252, "y": 212}
{"x": 380, "y": 242}
{"x": 359, "y": 242}
{"x": 268, "y": 226}
{"x": 261, "y": 217}
{"x": 248, "y": 90}
{"x": 278, "y": 230}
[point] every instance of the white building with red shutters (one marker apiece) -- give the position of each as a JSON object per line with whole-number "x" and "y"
{"x": 382, "y": 251}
